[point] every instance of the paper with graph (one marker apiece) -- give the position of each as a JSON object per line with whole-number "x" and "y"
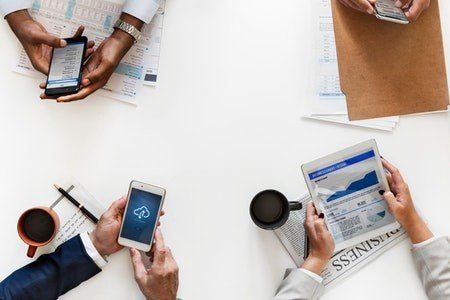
{"x": 347, "y": 191}
{"x": 140, "y": 64}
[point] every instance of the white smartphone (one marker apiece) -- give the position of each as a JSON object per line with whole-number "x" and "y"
{"x": 387, "y": 11}
{"x": 144, "y": 204}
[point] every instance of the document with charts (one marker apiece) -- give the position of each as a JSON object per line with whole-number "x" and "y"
{"x": 342, "y": 263}
{"x": 345, "y": 187}
{"x": 328, "y": 103}
{"x": 140, "y": 64}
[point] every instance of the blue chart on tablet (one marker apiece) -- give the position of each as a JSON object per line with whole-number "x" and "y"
{"x": 348, "y": 192}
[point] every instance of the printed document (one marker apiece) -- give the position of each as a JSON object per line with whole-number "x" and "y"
{"x": 63, "y": 17}
{"x": 328, "y": 101}
{"x": 342, "y": 263}
{"x": 72, "y": 220}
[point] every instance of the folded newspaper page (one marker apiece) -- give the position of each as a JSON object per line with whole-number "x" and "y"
{"x": 344, "y": 262}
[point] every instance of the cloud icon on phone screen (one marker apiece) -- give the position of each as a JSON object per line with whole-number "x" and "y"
{"x": 142, "y": 212}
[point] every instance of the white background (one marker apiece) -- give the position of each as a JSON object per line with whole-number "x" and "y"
{"x": 223, "y": 124}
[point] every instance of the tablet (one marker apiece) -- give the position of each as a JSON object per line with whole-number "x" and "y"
{"x": 345, "y": 187}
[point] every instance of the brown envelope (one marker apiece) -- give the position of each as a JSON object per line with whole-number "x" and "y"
{"x": 389, "y": 69}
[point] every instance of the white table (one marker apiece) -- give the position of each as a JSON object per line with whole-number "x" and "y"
{"x": 223, "y": 124}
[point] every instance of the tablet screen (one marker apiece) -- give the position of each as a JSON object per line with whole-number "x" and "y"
{"x": 347, "y": 190}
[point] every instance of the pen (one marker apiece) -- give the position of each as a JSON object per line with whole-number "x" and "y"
{"x": 77, "y": 204}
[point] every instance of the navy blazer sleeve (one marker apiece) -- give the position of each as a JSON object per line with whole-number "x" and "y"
{"x": 51, "y": 275}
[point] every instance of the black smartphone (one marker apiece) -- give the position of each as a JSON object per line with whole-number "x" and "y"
{"x": 64, "y": 77}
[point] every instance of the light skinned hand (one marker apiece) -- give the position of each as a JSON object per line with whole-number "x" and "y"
{"x": 36, "y": 41}
{"x": 104, "y": 236}
{"x": 413, "y": 8}
{"x": 160, "y": 281}
{"x": 401, "y": 206}
{"x": 365, "y": 6}
{"x": 320, "y": 239}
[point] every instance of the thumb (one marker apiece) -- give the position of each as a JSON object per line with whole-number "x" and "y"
{"x": 390, "y": 199}
{"x": 138, "y": 265}
{"x": 50, "y": 40}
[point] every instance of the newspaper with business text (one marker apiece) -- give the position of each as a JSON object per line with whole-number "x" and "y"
{"x": 344, "y": 262}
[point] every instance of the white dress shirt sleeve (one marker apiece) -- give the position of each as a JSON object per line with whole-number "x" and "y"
{"x": 313, "y": 275}
{"x": 424, "y": 243}
{"x": 144, "y": 10}
{"x": 91, "y": 251}
{"x": 9, "y": 6}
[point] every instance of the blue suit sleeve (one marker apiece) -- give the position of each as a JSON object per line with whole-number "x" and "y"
{"x": 51, "y": 275}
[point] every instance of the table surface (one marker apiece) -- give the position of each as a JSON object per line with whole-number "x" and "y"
{"x": 224, "y": 123}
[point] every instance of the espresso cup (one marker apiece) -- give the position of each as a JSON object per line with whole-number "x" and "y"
{"x": 270, "y": 209}
{"x": 37, "y": 227}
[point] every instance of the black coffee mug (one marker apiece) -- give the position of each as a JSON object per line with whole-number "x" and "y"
{"x": 270, "y": 209}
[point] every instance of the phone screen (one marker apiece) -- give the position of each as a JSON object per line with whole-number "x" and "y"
{"x": 65, "y": 66}
{"x": 141, "y": 216}
{"x": 387, "y": 8}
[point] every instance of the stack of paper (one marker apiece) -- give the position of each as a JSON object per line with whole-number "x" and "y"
{"x": 328, "y": 102}
{"x": 138, "y": 67}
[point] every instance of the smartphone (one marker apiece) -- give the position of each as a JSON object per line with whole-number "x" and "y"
{"x": 64, "y": 77}
{"x": 387, "y": 11}
{"x": 144, "y": 204}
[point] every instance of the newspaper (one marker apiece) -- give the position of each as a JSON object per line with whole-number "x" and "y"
{"x": 63, "y": 17}
{"x": 344, "y": 262}
{"x": 72, "y": 220}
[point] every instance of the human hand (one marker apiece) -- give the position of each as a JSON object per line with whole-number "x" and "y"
{"x": 101, "y": 65}
{"x": 413, "y": 8}
{"x": 160, "y": 282}
{"x": 401, "y": 206}
{"x": 36, "y": 41}
{"x": 365, "y": 6}
{"x": 105, "y": 235}
{"x": 321, "y": 240}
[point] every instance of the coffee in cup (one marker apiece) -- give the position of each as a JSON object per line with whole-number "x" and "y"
{"x": 270, "y": 209}
{"x": 37, "y": 227}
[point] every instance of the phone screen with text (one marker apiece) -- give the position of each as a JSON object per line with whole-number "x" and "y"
{"x": 141, "y": 216}
{"x": 65, "y": 67}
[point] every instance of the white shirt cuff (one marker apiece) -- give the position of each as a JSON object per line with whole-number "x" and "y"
{"x": 9, "y": 6}
{"x": 144, "y": 10}
{"x": 313, "y": 275}
{"x": 424, "y": 243}
{"x": 91, "y": 251}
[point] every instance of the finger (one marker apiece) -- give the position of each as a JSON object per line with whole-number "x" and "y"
{"x": 320, "y": 227}
{"x": 79, "y": 32}
{"x": 42, "y": 85}
{"x": 309, "y": 221}
{"x": 48, "y": 39}
{"x": 365, "y": 6}
{"x": 353, "y": 4}
{"x": 138, "y": 265}
{"x": 160, "y": 248}
{"x": 162, "y": 213}
{"x": 390, "y": 200}
{"x": 40, "y": 65}
{"x": 401, "y": 3}
{"x": 389, "y": 179}
{"x": 395, "y": 173}
{"x": 101, "y": 73}
{"x": 116, "y": 207}
{"x": 83, "y": 93}
{"x": 89, "y": 52}
{"x": 416, "y": 8}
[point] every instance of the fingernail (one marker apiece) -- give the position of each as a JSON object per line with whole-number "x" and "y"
{"x": 63, "y": 43}
{"x": 398, "y": 3}
{"x": 381, "y": 156}
{"x": 321, "y": 215}
{"x": 370, "y": 11}
{"x": 381, "y": 192}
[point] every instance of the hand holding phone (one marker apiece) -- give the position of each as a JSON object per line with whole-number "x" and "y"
{"x": 142, "y": 212}
{"x": 388, "y": 11}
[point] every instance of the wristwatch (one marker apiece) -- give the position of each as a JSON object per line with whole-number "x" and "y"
{"x": 128, "y": 28}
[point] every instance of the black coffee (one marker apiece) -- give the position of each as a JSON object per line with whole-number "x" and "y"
{"x": 268, "y": 208}
{"x": 38, "y": 225}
